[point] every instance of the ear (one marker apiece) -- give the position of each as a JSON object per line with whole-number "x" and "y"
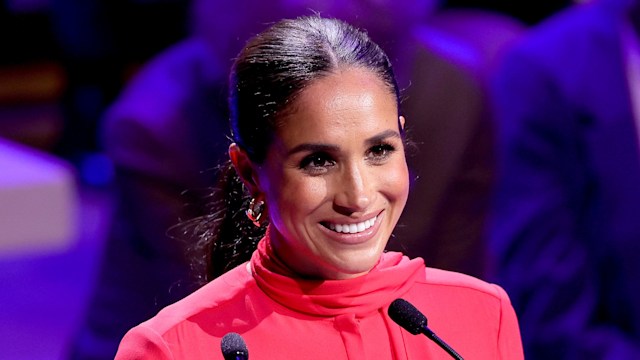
{"x": 245, "y": 168}
{"x": 401, "y": 120}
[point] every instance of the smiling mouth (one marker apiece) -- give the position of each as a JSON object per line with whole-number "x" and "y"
{"x": 351, "y": 228}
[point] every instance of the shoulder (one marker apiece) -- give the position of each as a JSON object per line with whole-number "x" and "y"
{"x": 143, "y": 342}
{"x": 214, "y": 298}
{"x": 455, "y": 302}
{"x": 189, "y": 325}
{"x": 449, "y": 281}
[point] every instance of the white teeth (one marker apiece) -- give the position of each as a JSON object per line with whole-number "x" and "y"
{"x": 353, "y": 228}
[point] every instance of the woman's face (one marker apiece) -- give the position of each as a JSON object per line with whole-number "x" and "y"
{"x": 335, "y": 178}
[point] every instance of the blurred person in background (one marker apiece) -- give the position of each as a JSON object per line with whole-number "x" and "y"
{"x": 101, "y": 42}
{"x": 164, "y": 134}
{"x": 565, "y": 232}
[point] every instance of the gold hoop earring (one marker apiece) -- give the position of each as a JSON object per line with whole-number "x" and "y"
{"x": 255, "y": 211}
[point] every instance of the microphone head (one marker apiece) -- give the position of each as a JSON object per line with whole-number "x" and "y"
{"x": 407, "y": 316}
{"x": 233, "y": 347}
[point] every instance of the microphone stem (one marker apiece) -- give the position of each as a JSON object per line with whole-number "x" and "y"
{"x": 431, "y": 335}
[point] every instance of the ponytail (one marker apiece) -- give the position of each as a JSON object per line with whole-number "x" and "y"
{"x": 225, "y": 237}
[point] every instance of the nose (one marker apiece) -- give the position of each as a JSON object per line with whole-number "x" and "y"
{"x": 353, "y": 192}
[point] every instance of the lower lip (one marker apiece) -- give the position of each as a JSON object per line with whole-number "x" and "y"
{"x": 357, "y": 238}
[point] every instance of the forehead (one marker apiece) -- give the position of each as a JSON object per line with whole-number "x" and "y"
{"x": 348, "y": 102}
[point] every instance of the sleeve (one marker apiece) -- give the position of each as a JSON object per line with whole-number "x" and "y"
{"x": 538, "y": 233}
{"x": 141, "y": 343}
{"x": 509, "y": 341}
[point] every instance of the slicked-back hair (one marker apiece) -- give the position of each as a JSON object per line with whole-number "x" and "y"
{"x": 278, "y": 64}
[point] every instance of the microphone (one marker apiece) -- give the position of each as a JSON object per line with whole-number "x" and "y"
{"x": 233, "y": 347}
{"x": 411, "y": 319}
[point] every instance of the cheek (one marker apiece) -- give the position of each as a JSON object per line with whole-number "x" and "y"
{"x": 299, "y": 195}
{"x": 395, "y": 182}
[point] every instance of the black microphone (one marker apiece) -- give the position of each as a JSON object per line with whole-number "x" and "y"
{"x": 233, "y": 347}
{"x": 411, "y": 319}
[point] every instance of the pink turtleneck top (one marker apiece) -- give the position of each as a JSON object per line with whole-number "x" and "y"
{"x": 283, "y": 317}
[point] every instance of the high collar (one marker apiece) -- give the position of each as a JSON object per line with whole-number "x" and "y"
{"x": 391, "y": 278}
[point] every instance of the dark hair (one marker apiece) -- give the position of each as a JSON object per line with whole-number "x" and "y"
{"x": 269, "y": 73}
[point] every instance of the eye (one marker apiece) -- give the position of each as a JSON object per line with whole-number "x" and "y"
{"x": 317, "y": 163}
{"x": 379, "y": 153}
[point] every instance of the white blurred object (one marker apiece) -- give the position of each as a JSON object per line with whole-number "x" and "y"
{"x": 38, "y": 201}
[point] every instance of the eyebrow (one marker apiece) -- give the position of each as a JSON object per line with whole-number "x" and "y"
{"x": 377, "y": 139}
{"x": 314, "y": 147}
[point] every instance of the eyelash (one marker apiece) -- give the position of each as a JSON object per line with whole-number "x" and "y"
{"x": 320, "y": 162}
{"x": 381, "y": 152}
{"x": 310, "y": 163}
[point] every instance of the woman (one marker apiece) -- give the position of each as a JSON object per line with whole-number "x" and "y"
{"x": 318, "y": 145}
